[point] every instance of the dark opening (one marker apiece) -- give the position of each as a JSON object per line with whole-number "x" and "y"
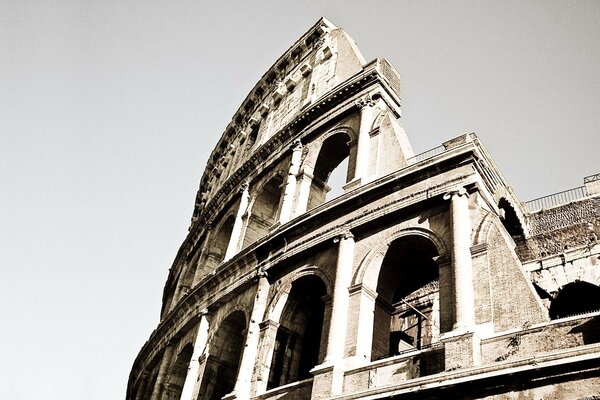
{"x": 264, "y": 211}
{"x": 575, "y": 298}
{"x": 406, "y": 310}
{"x": 298, "y": 339}
{"x": 218, "y": 248}
{"x": 225, "y": 352}
{"x": 179, "y": 372}
{"x": 511, "y": 221}
{"x": 334, "y": 151}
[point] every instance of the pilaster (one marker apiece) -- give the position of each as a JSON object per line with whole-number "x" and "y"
{"x": 462, "y": 267}
{"x": 236, "y": 232}
{"x": 366, "y": 106}
{"x": 192, "y": 379}
{"x": 162, "y": 372}
{"x": 244, "y": 380}
{"x": 290, "y": 185}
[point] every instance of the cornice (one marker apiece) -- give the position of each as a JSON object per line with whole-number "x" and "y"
{"x": 205, "y": 294}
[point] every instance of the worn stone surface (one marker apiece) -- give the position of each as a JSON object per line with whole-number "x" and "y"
{"x": 400, "y": 327}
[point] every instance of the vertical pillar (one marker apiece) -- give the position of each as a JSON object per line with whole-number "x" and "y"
{"x": 339, "y": 310}
{"x": 362, "y": 304}
{"x": 162, "y": 372}
{"x": 305, "y": 182}
{"x": 236, "y": 232}
{"x": 329, "y": 376}
{"x": 142, "y": 386}
{"x": 290, "y": 185}
{"x": 268, "y": 333}
{"x": 244, "y": 379}
{"x": 200, "y": 269}
{"x": 192, "y": 378}
{"x": 366, "y": 106}
{"x": 462, "y": 267}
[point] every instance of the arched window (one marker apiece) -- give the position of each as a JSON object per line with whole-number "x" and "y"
{"x": 224, "y": 354}
{"x": 264, "y": 210}
{"x": 176, "y": 379}
{"x": 216, "y": 251}
{"x": 407, "y": 307}
{"x": 510, "y": 220}
{"x": 334, "y": 152}
{"x": 575, "y": 298}
{"x": 298, "y": 339}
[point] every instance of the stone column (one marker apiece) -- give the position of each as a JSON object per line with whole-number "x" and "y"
{"x": 464, "y": 305}
{"x": 304, "y": 184}
{"x": 236, "y": 232}
{"x": 162, "y": 372}
{"x": 200, "y": 270}
{"x": 362, "y": 306}
{"x": 192, "y": 378}
{"x": 268, "y": 333}
{"x": 142, "y": 386}
{"x": 290, "y": 185}
{"x": 339, "y": 310}
{"x": 366, "y": 106}
{"x": 244, "y": 379}
{"x": 329, "y": 376}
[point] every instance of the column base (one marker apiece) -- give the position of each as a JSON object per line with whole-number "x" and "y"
{"x": 328, "y": 381}
{"x": 462, "y": 349}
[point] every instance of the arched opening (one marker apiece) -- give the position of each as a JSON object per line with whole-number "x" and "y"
{"x": 334, "y": 151}
{"x": 216, "y": 251}
{"x": 225, "y": 352}
{"x": 176, "y": 379}
{"x": 575, "y": 298}
{"x": 298, "y": 339}
{"x": 406, "y": 312}
{"x": 510, "y": 220}
{"x": 264, "y": 210}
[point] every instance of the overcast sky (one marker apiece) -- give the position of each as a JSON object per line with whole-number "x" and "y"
{"x": 109, "y": 110}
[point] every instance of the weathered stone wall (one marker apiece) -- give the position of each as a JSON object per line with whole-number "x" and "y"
{"x": 508, "y": 279}
{"x": 528, "y": 342}
{"x": 561, "y": 228}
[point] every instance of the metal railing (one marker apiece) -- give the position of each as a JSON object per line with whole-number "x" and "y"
{"x": 556, "y": 199}
{"x": 591, "y": 178}
{"x": 426, "y": 154}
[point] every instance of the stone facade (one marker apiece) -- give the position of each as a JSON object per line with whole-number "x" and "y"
{"x": 426, "y": 278}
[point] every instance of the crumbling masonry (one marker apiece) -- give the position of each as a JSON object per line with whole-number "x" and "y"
{"x": 424, "y": 278}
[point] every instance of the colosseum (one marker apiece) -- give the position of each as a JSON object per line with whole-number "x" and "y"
{"x": 411, "y": 276}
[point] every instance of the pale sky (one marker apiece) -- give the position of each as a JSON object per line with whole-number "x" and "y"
{"x": 109, "y": 110}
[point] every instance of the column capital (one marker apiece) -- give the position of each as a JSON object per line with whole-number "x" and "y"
{"x": 366, "y": 101}
{"x": 244, "y": 187}
{"x": 296, "y": 145}
{"x": 203, "y": 312}
{"x": 456, "y": 192}
{"x": 345, "y": 234}
{"x": 261, "y": 272}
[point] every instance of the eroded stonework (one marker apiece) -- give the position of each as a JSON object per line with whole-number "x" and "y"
{"x": 420, "y": 276}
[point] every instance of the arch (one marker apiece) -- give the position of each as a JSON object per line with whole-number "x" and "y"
{"x": 370, "y": 265}
{"x": 510, "y": 220}
{"x": 278, "y": 301}
{"x": 575, "y": 298}
{"x": 332, "y": 153}
{"x": 223, "y": 357}
{"x": 178, "y": 372}
{"x": 406, "y": 310}
{"x": 298, "y": 340}
{"x": 264, "y": 209}
{"x": 215, "y": 253}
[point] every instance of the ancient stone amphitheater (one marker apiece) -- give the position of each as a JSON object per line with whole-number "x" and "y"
{"x": 408, "y": 276}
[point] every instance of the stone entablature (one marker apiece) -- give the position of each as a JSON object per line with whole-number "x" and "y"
{"x": 237, "y": 273}
{"x": 408, "y": 284}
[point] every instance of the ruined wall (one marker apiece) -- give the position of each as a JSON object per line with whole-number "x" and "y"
{"x": 561, "y": 228}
